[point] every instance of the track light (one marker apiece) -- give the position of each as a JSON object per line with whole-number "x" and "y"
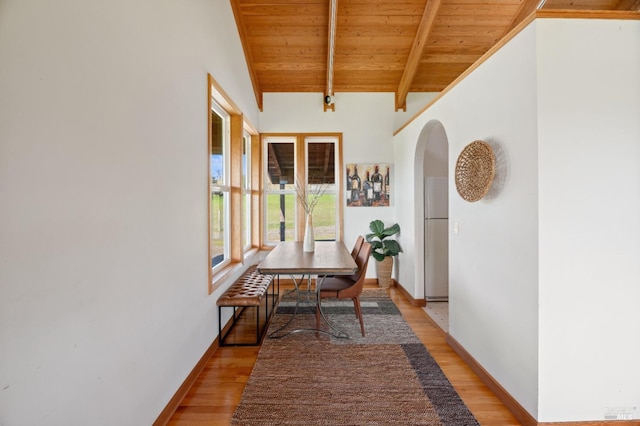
{"x": 327, "y": 100}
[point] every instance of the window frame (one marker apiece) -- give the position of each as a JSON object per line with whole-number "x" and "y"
{"x": 300, "y": 169}
{"x": 291, "y": 191}
{"x": 224, "y": 188}
{"x": 246, "y": 204}
{"x": 337, "y": 173}
{"x": 239, "y": 128}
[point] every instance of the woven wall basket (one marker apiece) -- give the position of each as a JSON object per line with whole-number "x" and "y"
{"x": 475, "y": 169}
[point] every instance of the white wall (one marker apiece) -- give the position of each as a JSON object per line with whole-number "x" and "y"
{"x": 367, "y": 122}
{"x": 493, "y": 260}
{"x": 103, "y": 179}
{"x": 589, "y": 192}
{"x": 544, "y": 273}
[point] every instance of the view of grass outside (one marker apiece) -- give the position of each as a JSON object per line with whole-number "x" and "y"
{"x": 274, "y": 217}
{"x": 323, "y": 217}
{"x": 323, "y": 220}
{"x": 246, "y": 225}
{"x": 217, "y": 228}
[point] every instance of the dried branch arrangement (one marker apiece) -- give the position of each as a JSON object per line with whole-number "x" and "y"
{"x": 309, "y": 195}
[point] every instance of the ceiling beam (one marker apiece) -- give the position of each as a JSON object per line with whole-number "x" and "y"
{"x": 628, "y": 5}
{"x": 424, "y": 30}
{"x": 257, "y": 91}
{"x": 331, "y": 49}
{"x": 526, "y": 8}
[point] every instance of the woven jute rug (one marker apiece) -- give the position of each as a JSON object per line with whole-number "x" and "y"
{"x": 387, "y": 377}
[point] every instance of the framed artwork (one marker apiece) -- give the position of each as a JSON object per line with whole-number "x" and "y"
{"x": 368, "y": 185}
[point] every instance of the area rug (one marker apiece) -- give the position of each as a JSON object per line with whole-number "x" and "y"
{"x": 387, "y": 377}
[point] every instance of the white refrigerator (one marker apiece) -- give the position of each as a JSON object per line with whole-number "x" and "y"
{"x": 436, "y": 239}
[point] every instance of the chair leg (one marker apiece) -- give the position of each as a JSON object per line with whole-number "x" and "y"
{"x": 317, "y": 317}
{"x": 356, "y": 305}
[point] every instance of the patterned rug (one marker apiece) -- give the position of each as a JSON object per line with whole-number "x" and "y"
{"x": 387, "y": 377}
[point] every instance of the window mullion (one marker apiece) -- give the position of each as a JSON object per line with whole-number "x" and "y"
{"x": 256, "y": 184}
{"x": 235, "y": 220}
{"x": 301, "y": 174}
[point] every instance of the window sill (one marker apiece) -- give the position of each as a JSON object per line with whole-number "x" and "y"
{"x": 250, "y": 253}
{"x": 221, "y": 276}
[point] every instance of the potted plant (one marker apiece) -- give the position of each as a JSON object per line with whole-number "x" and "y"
{"x": 383, "y": 249}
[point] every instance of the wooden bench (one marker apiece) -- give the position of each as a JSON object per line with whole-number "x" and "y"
{"x": 248, "y": 291}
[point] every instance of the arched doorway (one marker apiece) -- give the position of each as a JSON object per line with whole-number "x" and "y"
{"x": 432, "y": 175}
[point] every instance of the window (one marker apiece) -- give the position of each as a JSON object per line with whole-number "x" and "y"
{"x": 246, "y": 191}
{"x": 279, "y": 189}
{"x": 316, "y": 161}
{"x": 233, "y": 220}
{"x": 219, "y": 175}
{"x": 321, "y": 174}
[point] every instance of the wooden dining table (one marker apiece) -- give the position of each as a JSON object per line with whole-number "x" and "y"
{"x": 289, "y": 258}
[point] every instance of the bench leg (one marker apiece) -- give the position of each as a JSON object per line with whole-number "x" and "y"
{"x": 220, "y": 325}
{"x": 259, "y": 330}
{"x": 234, "y": 318}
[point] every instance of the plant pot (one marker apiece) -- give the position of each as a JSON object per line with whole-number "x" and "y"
{"x": 383, "y": 271}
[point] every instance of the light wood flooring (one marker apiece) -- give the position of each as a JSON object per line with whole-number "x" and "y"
{"x": 217, "y": 391}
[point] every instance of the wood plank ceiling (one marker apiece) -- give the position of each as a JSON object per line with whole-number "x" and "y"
{"x": 397, "y": 46}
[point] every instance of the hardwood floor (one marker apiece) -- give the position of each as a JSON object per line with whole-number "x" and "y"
{"x": 217, "y": 391}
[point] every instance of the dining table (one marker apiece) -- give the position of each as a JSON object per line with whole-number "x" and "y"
{"x": 289, "y": 258}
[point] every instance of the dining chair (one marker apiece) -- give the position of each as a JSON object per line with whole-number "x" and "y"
{"x": 354, "y": 250}
{"x": 356, "y": 246}
{"x": 348, "y": 287}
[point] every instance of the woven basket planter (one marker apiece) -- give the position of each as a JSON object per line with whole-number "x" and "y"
{"x": 383, "y": 271}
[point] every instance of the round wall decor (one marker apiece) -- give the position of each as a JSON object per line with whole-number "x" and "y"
{"x": 475, "y": 169}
